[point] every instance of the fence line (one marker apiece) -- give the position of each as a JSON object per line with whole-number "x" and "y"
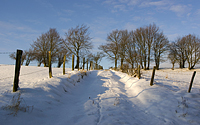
{"x": 7, "y": 52}
{"x": 23, "y": 74}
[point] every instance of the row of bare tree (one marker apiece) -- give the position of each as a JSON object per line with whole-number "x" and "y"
{"x": 136, "y": 47}
{"x": 77, "y": 41}
{"x": 185, "y": 49}
{"x": 49, "y": 41}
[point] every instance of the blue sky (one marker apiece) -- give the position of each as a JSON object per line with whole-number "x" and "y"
{"x": 22, "y": 21}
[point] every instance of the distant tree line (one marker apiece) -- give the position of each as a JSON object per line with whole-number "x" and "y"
{"x": 185, "y": 49}
{"x": 147, "y": 44}
{"x": 132, "y": 48}
{"x": 137, "y": 47}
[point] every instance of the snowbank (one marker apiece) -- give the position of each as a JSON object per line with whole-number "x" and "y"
{"x": 98, "y": 97}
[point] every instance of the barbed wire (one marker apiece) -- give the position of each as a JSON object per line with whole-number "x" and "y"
{"x": 7, "y": 52}
{"x": 29, "y": 73}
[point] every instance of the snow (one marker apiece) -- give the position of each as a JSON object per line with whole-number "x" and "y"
{"x": 103, "y": 97}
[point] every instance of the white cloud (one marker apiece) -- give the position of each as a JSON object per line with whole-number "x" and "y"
{"x": 111, "y": 2}
{"x": 198, "y": 12}
{"x": 180, "y": 9}
{"x": 172, "y": 37}
{"x": 68, "y": 11}
{"x": 123, "y": 1}
{"x": 147, "y": 19}
{"x": 130, "y": 26}
{"x": 82, "y": 5}
{"x": 133, "y": 2}
{"x": 33, "y": 21}
{"x": 46, "y": 4}
{"x": 10, "y": 27}
{"x": 65, "y": 19}
{"x": 1, "y": 34}
{"x": 97, "y": 41}
{"x": 161, "y": 3}
{"x": 137, "y": 18}
{"x": 120, "y": 7}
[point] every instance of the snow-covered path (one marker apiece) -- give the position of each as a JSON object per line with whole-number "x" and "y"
{"x": 103, "y": 97}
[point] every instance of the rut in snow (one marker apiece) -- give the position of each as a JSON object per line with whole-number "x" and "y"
{"x": 114, "y": 106}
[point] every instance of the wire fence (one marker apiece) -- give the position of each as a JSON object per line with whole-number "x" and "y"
{"x": 7, "y": 52}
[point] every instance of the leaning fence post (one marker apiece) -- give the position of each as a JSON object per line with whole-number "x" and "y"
{"x": 64, "y": 64}
{"x": 50, "y": 70}
{"x": 17, "y": 70}
{"x": 152, "y": 77}
{"x": 190, "y": 87}
{"x": 72, "y": 62}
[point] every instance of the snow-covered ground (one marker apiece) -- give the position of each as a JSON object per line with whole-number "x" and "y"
{"x": 103, "y": 97}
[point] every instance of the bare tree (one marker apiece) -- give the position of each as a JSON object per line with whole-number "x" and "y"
{"x": 159, "y": 47}
{"x": 151, "y": 32}
{"x": 172, "y": 56}
{"x": 78, "y": 41}
{"x": 124, "y": 38}
{"x": 29, "y": 56}
{"x": 111, "y": 48}
{"x": 181, "y": 51}
{"x": 131, "y": 56}
{"x": 192, "y": 52}
{"x": 96, "y": 58}
{"x": 49, "y": 41}
{"x": 61, "y": 53}
{"x": 40, "y": 48}
{"x": 13, "y": 56}
{"x": 140, "y": 38}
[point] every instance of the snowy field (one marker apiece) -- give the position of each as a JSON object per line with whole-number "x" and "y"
{"x": 102, "y": 97}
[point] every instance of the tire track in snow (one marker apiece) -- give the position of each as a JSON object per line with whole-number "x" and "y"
{"x": 99, "y": 111}
{"x": 117, "y": 100}
{"x": 117, "y": 108}
{"x": 108, "y": 102}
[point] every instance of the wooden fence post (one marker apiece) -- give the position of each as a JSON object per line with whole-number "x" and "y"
{"x": 190, "y": 87}
{"x": 64, "y": 64}
{"x": 73, "y": 62}
{"x": 50, "y": 70}
{"x": 83, "y": 63}
{"x": 152, "y": 77}
{"x": 78, "y": 63}
{"x": 87, "y": 64}
{"x": 17, "y": 70}
{"x": 139, "y": 74}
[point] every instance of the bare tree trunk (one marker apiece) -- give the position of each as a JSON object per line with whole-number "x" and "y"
{"x": 115, "y": 64}
{"x": 27, "y": 62}
{"x": 77, "y": 63}
{"x": 172, "y": 66}
{"x": 59, "y": 64}
{"x": 148, "y": 60}
{"x": 39, "y": 64}
{"x": 122, "y": 60}
{"x": 145, "y": 62}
